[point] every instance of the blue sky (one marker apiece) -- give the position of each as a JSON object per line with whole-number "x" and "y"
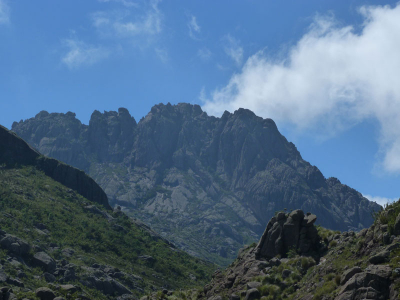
{"x": 326, "y": 71}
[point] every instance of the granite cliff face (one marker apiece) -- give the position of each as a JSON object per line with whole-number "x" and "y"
{"x": 208, "y": 184}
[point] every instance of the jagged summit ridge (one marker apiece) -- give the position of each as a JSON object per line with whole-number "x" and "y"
{"x": 209, "y": 184}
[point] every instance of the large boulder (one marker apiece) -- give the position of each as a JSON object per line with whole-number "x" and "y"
{"x": 43, "y": 260}
{"x": 45, "y": 293}
{"x": 252, "y": 294}
{"x": 295, "y": 231}
{"x": 15, "y": 245}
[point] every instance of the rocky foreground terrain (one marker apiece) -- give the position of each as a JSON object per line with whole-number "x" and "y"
{"x": 59, "y": 238}
{"x": 295, "y": 259}
{"x": 210, "y": 185}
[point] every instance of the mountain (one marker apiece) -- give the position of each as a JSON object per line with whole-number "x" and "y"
{"x": 208, "y": 184}
{"x": 299, "y": 261}
{"x": 59, "y": 237}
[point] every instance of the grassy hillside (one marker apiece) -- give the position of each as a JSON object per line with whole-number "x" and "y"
{"x": 58, "y": 221}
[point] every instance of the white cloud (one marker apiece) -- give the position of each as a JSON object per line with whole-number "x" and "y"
{"x": 4, "y": 12}
{"x": 381, "y": 200}
{"x": 233, "y": 49}
{"x": 126, "y": 25}
{"x": 126, "y": 3}
{"x": 333, "y": 78}
{"x": 80, "y": 54}
{"x": 204, "y": 53}
{"x": 194, "y": 28}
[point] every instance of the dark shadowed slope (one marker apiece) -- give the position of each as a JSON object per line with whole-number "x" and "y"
{"x": 15, "y": 151}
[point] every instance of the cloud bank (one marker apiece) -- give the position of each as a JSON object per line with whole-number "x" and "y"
{"x": 331, "y": 79}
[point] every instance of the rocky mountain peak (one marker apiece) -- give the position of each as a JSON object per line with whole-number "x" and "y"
{"x": 42, "y": 114}
{"x": 244, "y": 112}
{"x": 178, "y": 112}
{"x": 111, "y": 134}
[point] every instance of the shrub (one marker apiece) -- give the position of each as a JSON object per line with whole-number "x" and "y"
{"x": 337, "y": 280}
{"x": 307, "y": 262}
{"x": 270, "y": 290}
{"x": 333, "y": 244}
{"x": 330, "y": 276}
{"x": 360, "y": 244}
{"x": 291, "y": 253}
{"x": 325, "y": 290}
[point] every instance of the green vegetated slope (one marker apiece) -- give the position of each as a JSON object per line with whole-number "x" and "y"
{"x": 346, "y": 266}
{"x": 56, "y": 220}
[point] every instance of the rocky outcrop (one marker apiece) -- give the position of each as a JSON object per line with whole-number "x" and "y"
{"x": 14, "y": 151}
{"x": 284, "y": 232}
{"x": 194, "y": 177}
{"x": 335, "y": 267}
